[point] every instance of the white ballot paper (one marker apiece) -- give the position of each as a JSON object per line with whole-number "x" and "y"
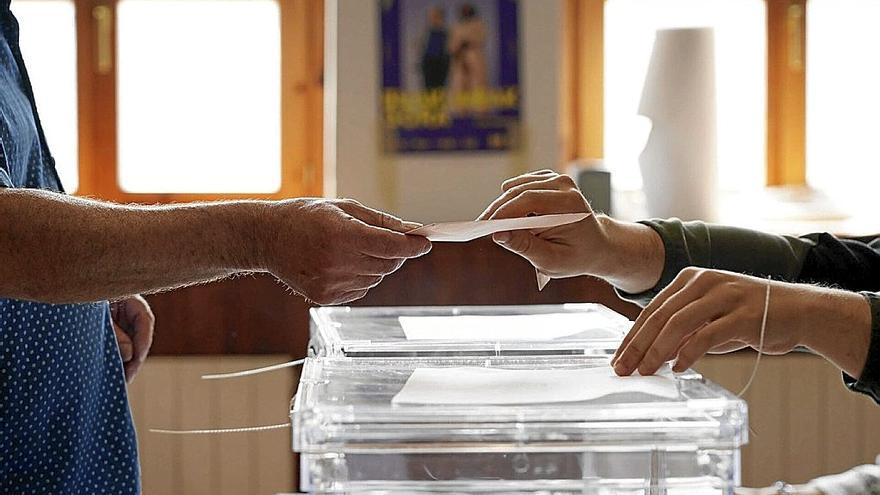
{"x": 468, "y": 231}
{"x": 506, "y": 328}
{"x": 475, "y": 385}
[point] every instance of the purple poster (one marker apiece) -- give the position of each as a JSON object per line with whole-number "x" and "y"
{"x": 450, "y": 75}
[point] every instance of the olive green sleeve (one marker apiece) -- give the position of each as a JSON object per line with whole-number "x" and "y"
{"x": 724, "y": 248}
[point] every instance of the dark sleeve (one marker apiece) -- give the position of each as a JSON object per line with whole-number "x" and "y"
{"x": 816, "y": 258}
{"x": 724, "y": 248}
{"x": 848, "y": 264}
{"x": 869, "y": 381}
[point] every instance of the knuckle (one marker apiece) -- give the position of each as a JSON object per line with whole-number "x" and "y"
{"x": 732, "y": 291}
{"x": 507, "y": 184}
{"x": 529, "y": 198}
{"x": 690, "y": 272}
{"x": 634, "y": 349}
{"x": 653, "y": 355}
{"x": 660, "y": 315}
{"x": 564, "y": 180}
{"x": 676, "y": 322}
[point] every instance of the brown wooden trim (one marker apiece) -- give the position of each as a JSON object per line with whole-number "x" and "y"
{"x": 97, "y": 103}
{"x": 302, "y": 96}
{"x": 302, "y": 49}
{"x": 786, "y": 92}
{"x": 583, "y": 96}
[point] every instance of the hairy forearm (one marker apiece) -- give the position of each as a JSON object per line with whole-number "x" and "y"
{"x": 56, "y": 248}
{"x": 634, "y": 257}
{"x": 833, "y": 323}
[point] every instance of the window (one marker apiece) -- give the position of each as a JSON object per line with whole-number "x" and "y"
{"x": 842, "y": 98}
{"x": 740, "y": 60}
{"x": 179, "y": 100}
{"x": 48, "y": 45}
{"x": 199, "y": 108}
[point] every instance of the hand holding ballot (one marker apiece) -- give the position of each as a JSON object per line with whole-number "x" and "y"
{"x": 337, "y": 250}
{"x": 596, "y": 245}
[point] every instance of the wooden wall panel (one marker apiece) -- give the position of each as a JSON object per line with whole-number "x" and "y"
{"x": 803, "y": 428}
{"x": 197, "y": 409}
{"x": 804, "y": 421}
{"x": 169, "y": 393}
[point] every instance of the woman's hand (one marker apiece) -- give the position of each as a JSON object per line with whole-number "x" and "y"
{"x": 705, "y": 310}
{"x": 563, "y": 251}
{"x": 629, "y": 256}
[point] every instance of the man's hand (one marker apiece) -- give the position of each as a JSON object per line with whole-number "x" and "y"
{"x": 627, "y": 255}
{"x": 331, "y": 251}
{"x": 334, "y": 251}
{"x": 706, "y": 310}
{"x": 133, "y": 322}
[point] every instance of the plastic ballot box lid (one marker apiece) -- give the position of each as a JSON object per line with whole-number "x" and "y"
{"x": 508, "y": 403}
{"x": 512, "y": 424}
{"x": 425, "y": 331}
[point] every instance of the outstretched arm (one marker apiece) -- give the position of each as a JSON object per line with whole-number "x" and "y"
{"x": 57, "y": 248}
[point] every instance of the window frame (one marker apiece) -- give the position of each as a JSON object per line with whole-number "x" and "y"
{"x": 583, "y": 90}
{"x": 302, "y": 48}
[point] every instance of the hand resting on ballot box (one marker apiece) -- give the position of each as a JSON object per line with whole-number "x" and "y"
{"x": 691, "y": 277}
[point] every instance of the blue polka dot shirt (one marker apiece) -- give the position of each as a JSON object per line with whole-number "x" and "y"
{"x": 65, "y": 425}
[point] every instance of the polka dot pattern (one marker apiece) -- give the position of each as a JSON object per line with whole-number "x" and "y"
{"x": 65, "y": 425}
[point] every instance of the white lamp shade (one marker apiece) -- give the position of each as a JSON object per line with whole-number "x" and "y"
{"x": 679, "y": 160}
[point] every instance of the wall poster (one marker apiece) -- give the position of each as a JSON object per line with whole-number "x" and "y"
{"x": 450, "y": 75}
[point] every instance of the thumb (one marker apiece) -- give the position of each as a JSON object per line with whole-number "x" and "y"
{"x": 519, "y": 241}
{"x": 525, "y": 244}
{"x": 537, "y": 251}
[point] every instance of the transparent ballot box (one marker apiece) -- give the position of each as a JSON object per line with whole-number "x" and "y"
{"x": 523, "y": 424}
{"x": 426, "y": 331}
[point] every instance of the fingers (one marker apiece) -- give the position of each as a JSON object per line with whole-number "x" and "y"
{"x": 714, "y": 334}
{"x": 385, "y": 244}
{"x": 133, "y": 323}
{"x": 529, "y": 177}
{"x": 380, "y": 266}
{"x": 344, "y": 290}
{"x": 375, "y": 217}
{"x": 364, "y": 283}
{"x": 382, "y": 235}
{"x": 543, "y": 202}
{"x": 553, "y": 182}
{"x": 672, "y": 288}
{"x": 675, "y": 285}
{"x": 352, "y": 296}
{"x": 143, "y": 323}
{"x": 123, "y": 341}
{"x": 689, "y": 323}
{"x": 679, "y": 294}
